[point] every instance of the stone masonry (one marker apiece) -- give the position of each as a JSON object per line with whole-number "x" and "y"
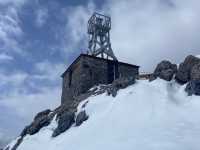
{"x": 87, "y": 71}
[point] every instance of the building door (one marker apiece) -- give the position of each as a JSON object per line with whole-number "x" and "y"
{"x": 113, "y": 72}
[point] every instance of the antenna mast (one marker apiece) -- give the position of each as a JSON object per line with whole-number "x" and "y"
{"x": 99, "y": 36}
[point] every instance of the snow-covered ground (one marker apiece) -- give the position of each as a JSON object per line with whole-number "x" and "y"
{"x": 154, "y": 115}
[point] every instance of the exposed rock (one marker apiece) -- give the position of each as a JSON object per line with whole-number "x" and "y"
{"x": 65, "y": 116}
{"x": 81, "y": 117}
{"x": 184, "y": 71}
{"x": 64, "y": 123}
{"x": 41, "y": 120}
{"x": 43, "y": 113}
{"x": 152, "y": 77}
{"x": 195, "y": 72}
{"x": 165, "y": 70}
{"x": 120, "y": 83}
{"x": 66, "y": 112}
{"x": 19, "y": 141}
{"x": 112, "y": 91}
{"x": 193, "y": 87}
{"x": 93, "y": 91}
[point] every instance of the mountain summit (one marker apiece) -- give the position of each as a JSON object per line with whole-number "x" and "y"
{"x": 128, "y": 114}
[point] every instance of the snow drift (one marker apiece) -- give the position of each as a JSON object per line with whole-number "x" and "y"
{"x": 155, "y": 115}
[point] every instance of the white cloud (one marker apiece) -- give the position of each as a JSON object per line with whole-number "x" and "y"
{"x": 147, "y": 32}
{"x": 76, "y": 33}
{"x": 47, "y": 98}
{"x": 23, "y": 95}
{"x": 144, "y": 32}
{"x": 15, "y": 2}
{"x": 41, "y": 16}
{"x": 48, "y": 70}
{"x": 10, "y": 30}
{"x": 19, "y": 97}
{"x": 5, "y": 57}
{"x": 15, "y": 79}
{"x": 3, "y": 139}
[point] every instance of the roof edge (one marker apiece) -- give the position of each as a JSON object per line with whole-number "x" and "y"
{"x": 86, "y": 55}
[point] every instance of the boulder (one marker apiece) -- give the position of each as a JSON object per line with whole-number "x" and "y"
{"x": 43, "y": 113}
{"x": 38, "y": 124}
{"x": 167, "y": 74}
{"x": 41, "y": 120}
{"x": 65, "y": 121}
{"x": 183, "y": 74}
{"x": 112, "y": 91}
{"x": 152, "y": 77}
{"x": 165, "y": 70}
{"x": 81, "y": 117}
{"x": 193, "y": 87}
{"x": 195, "y": 72}
{"x": 120, "y": 83}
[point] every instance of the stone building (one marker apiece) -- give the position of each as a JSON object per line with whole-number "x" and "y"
{"x": 87, "y": 71}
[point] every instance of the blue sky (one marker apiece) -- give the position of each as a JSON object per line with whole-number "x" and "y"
{"x": 34, "y": 52}
{"x": 40, "y": 38}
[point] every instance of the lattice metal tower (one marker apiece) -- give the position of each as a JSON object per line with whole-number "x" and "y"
{"x": 99, "y": 36}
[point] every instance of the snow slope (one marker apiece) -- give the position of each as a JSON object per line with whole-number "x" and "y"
{"x": 154, "y": 115}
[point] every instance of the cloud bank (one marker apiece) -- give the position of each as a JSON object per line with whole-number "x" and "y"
{"x": 143, "y": 32}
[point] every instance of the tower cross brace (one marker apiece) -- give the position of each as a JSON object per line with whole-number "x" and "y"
{"x": 99, "y": 36}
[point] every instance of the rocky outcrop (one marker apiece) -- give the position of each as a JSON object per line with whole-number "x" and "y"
{"x": 193, "y": 87}
{"x": 65, "y": 121}
{"x": 189, "y": 72}
{"x": 65, "y": 114}
{"x": 185, "y": 73}
{"x": 164, "y": 70}
{"x": 19, "y": 141}
{"x": 120, "y": 83}
{"x": 195, "y": 72}
{"x": 41, "y": 120}
{"x": 42, "y": 114}
{"x": 81, "y": 117}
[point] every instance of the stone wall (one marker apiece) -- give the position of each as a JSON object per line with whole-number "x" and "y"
{"x": 127, "y": 70}
{"x": 87, "y": 71}
{"x": 94, "y": 72}
{"x": 73, "y": 89}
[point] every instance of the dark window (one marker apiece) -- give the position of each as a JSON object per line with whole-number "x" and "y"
{"x": 70, "y": 78}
